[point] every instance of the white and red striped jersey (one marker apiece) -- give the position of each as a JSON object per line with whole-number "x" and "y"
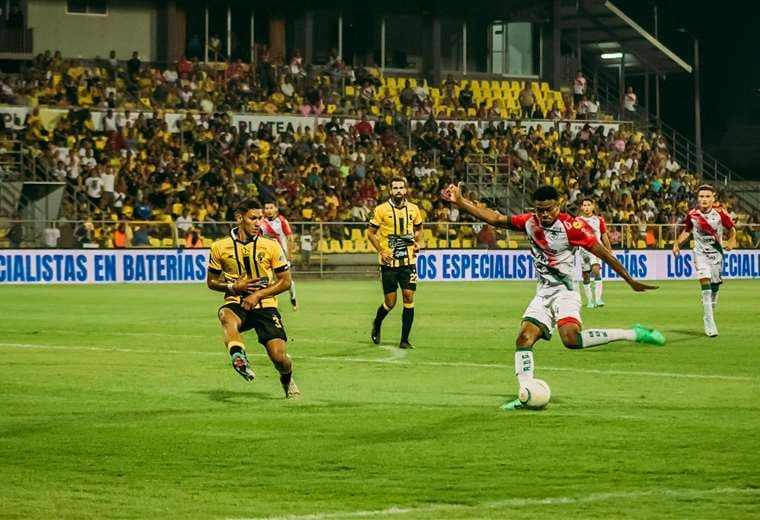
{"x": 277, "y": 229}
{"x": 707, "y": 229}
{"x": 596, "y": 223}
{"x": 554, "y": 246}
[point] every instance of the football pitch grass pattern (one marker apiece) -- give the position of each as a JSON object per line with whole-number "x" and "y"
{"x": 120, "y": 402}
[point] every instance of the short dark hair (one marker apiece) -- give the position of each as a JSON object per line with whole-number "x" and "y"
{"x": 399, "y": 179}
{"x": 590, "y": 199}
{"x": 273, "y": 202}
{"x": 246, "y": 205}
{"x": 545, "y": 193}
{"x": 706, "y": 187}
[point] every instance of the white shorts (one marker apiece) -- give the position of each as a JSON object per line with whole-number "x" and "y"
{"x": 587, "y": 260}
{"x": 707, "y": 267}
{"x": 550, "y": 308}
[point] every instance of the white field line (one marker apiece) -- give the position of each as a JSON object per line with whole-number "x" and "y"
{"x": 519, "y": 502}
{"x": 397, "y": 357}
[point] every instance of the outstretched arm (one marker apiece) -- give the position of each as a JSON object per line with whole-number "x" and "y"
{"x": 605, "y": 254}
{"x": 454, "y": 194}
{"x": 679, "y": 240}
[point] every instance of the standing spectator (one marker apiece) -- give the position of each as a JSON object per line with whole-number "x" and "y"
{"x": 579, "y": 88}
{"x": 630, "y": 103}
{"x": 133, "y": 66}
{"x": 527, "y": 101}
{"x": 466, "y": 98}
{"x": 592, "y": 108}
{"x": 109, "y": 186}
{"x": 184, "y": 222}
{"x": 120, "y": 236}
{"x": 94, "y": 185}
{"x": 193, "y": 239}
{"x": 307, "y": 245}
{"x": 51, "y": 236}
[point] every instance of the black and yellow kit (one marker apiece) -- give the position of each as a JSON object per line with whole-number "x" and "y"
{"x": 259, "y": 259}
{"x": 395, "y": 230}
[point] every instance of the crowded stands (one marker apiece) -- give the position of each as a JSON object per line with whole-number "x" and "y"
{"x": 135, "y": 165}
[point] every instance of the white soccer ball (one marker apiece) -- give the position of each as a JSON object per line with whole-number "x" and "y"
{"x": 535, "y": 394}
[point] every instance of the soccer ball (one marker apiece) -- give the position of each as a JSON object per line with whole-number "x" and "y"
{"x": 535, "y": 394}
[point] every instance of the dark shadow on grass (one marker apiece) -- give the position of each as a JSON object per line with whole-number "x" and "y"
{"x": 228, "y": 397}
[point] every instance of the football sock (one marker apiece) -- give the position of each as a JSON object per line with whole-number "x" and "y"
{"x": 715, "y": 288}
{"x": 235, "y": 346}
{"x": 382, "y": 312}
{"x": 523, "y": 365}
{"x": 587, "y": 290}
{"x": 707, "y": 302}
{"x": 594, "y": 337}
{"x": 285, "y": 378}
{"x": 598, "y": 289}
{"x": 407, "y": 318}
{"x": 292, "y": 290}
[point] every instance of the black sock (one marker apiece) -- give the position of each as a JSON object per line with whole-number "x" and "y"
{"x": 236, "y": 348}
{"x": 381, "y": 314}
{"x": 407, "y": 318}
{"x": 285, "y": 378}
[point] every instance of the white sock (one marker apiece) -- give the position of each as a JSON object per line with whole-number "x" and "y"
{"x": 707, "y": 304}
{"x": 594, "y": 337}
{"x": 292, "y": 290}
{"x": 598, "y": 290}
{"x": 587, "y": 290}
{"x": 714, "y": 298}
{"x": 523, "y": 365}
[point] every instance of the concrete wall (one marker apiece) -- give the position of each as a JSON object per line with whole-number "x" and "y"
{"x": 128, "y": 26}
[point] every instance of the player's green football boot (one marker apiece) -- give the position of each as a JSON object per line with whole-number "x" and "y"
{"x": 649, "y": 336}
{"x": 242, "y": 367}
{"x": 513, "y": 405}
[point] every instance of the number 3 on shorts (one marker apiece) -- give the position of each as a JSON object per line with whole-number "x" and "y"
{"x": 276, "y": 321}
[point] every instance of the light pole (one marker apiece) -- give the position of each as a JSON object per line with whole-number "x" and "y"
{"x": 697, "y": 109}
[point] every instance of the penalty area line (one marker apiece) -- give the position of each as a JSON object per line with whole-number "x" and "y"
{"x": 516, "y": 502}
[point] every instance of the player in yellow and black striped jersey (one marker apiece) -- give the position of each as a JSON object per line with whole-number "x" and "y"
{"x": 251, "y": 271}
{"x": 394, "y": 230}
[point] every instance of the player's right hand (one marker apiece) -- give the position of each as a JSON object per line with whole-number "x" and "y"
{"x": 453, "y": 193}
{"x": 386, "y": 255}
{"x": 245, "y": 285}
{"x": 641, "y": 287}
{"x": 676, "y": 249}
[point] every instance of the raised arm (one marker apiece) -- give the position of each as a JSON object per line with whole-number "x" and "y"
{"x": 454, "y": 194}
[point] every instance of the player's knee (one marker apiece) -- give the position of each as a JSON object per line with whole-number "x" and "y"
{"x": 390, "y": 303}
{"x": 525, "y": 339}
{"x": 570, "y": 338}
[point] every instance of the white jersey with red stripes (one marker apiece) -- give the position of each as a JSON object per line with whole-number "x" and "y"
{"x": 707, "y": 229}
{"x": 554, "y": 246}
{"x": 596, "y": 223}
{"x": 277, "y": 229}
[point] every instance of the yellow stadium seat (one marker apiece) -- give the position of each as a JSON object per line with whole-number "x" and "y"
{"x": 431, "y": 243}
{"x": 412, "y": 82}
{"x": 335, "y": 246}
{"x": 356, "y": 234}
{"x": 154, "y": 242}
{"x": 331, "y": 108}
{"x": 443, "y": 243}
{"x": 467, "y": 243}
{"x": 350, "y": 90}
{"x": 512, "y": 244}
{"x": 390, "y": 83}
{"x": 349, "y": 246}
{"x": 456, "y": 244}
{"x": 471, "y": 112}
{"x": 501, "y": 244}
{"x": 322, "y": 246}
{"x": 427, "y": 234}
{"x": 168, "y": 242}
{"x": 641, "y": 244}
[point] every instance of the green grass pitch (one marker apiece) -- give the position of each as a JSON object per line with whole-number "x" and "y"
{"x": 119, "y": 402}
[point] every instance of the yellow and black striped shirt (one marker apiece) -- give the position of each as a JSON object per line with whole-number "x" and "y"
{"x": 395, "y": 229}
{"x": 259, "y": 259}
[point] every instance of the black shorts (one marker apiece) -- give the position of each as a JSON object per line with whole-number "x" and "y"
{"x": 267, "y": 322}
{"x": 394, "y": 277}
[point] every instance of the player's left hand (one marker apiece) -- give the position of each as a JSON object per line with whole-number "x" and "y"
{"x": 729, "y": 245}
{"x": 641, "y": 287}
{"x": 417, "y": 247}
{"x": 251, "y": 301}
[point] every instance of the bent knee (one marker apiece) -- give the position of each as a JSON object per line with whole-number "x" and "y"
{"x": 571, "y": 339}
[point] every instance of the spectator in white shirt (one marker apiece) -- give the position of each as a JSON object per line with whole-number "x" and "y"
{"x": 109, "y": 182}
{"x": 94, "y": 185}
{"x": 184, "y": 222}
{"x": 630, "y": 102}
{"x": 110, "y": 123}
{"x": 579, "y": 87}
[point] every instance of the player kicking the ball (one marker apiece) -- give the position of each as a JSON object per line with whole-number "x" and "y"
{"x": 708, "y": 222}
{"x": 590, "y": 262}
{"x": 553, "y": 238}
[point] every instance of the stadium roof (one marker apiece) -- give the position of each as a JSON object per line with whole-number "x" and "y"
{"x": 603, "y": 28}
